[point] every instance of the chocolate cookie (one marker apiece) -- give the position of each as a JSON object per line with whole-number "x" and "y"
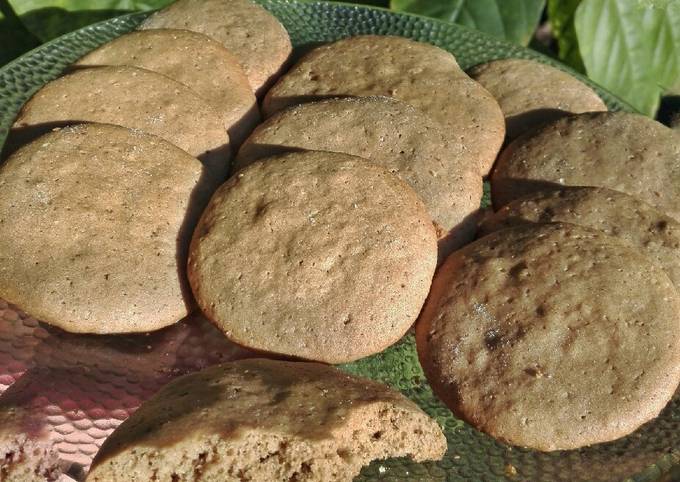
{"x": 266, "y": 420}
{"x": 316, "y": 255}
{"x": 551, "y": 336}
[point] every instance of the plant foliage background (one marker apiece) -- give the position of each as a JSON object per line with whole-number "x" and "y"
{"x": 630, "y": 47}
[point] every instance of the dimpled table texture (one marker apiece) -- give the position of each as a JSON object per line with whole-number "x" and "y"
{"x": 81, "y": 413}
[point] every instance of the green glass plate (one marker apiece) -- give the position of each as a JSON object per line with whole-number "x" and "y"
{"x": 651, "y": 453}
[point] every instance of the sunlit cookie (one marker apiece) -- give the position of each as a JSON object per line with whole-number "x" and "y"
{"x": 194, "y": 60}
{"x": 392, "y": 134}
{"x": 617, "y": 150}
{"x": 129, "y": 97}
{"x": 266, "y": 420}
{"x": 531, "y": 93}
{"x": 251, "y": 33}
{"x": 315, "y": 255}
{"x": 95, "y": 223}
{"x": 551, "y": 336}
{"x": 625, "y": 217}
{"x": 419, "y": 74}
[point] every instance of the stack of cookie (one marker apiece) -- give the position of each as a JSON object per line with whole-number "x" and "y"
{"x": 560, "y": 327}
{"x": 321, "y": 251}
{"x": 315, "y": 237}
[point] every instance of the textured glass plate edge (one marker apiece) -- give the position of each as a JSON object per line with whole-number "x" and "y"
{"x": 31, "y": 71}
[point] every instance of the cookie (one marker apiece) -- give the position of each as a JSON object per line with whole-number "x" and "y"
{"x": 390, "y": 133}
{"x": 419, "y": 74}
{"x": 551, "y": 336}
{"x": 251, "y": 33}
{"x": 82, "y": 387}
{"x": 635, "y": 222}
{"x": 531, "y": 93}
{"x": 315, "y": 255}
{"x": 94, "y": 226}
{"x": 129, "y": 97}
{"x": 617, "y": 150}
{"x": 266, "y": 420}
{"x": 192, "y": 59}
{"x": 27, "y": 453}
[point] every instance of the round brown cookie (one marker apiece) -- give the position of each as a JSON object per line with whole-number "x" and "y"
{"x": 267, "y": 420}
{"x": 94, "y": 226}
{"x": 639, "y": 224}
{"x": 250, "y": 32}
{"x": 617, "y": 150}
{"x": 129, "y": 97}
{"x": 82, "y": 387}
{"x": 315, "y": 255}
{"x": 193, "y": 59}
{"x": 419, "y": 74}
{"x": 551, "y": 336}
{"x": 27, "y": 454}
{"x": 531, "y": 93}
{"x": 391, "y": 133}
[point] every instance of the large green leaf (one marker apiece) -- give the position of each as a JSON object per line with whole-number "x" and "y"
{"x": 632, "y": 47}
{"x": 513, "y": 20}
{"x": 15, "y": 39}
{"x": 561, "y": 17}
{"x": 48, "y": 19}
{"x": 23, "y": 6}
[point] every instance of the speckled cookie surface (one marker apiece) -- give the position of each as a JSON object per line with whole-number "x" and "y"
{"x": 26, "y": 455}
{"x": 653, "y": 233}
{"x": 192, "y": 59}
{"x": 617, "y": 150}
{"x": 531, "y": 93}
{"x": 133, "y": 98}
{"x": 392, "y": 134}
{"x": 253, "y": 35}
{"x": 419, "y": 74}
{"x": 266, "y": 420}
{"x": 552, "y": 336}
{"x": 95, "y": 223}
{"x": 316, "y": 255}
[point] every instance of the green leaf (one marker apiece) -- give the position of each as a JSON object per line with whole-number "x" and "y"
{"x": 513, "y": 20}
{"x": 631, "y": 47}
{"x": 48, "y": 19}
{"x": 15, "y": 39}
{"x": 23, "y": 6}
{"x": 561, "y": 17}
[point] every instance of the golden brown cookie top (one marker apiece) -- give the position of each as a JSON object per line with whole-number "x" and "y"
{"x": 419, "y": 74}
{"x": 309, "y": 414}
{"x": 95, "y": 220}
{"x": 616, "y": 214}
{"x": 251, "y": 33}
{"x": 315, "y": 255}
{"x": 134, "y": 98}
{"x": 390, "y": 133}
{"x": 617, "y": 150}
{"x": 192, "y": 59}
{"x": 531, "y": 93}
{"x": 551, "y": 336}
